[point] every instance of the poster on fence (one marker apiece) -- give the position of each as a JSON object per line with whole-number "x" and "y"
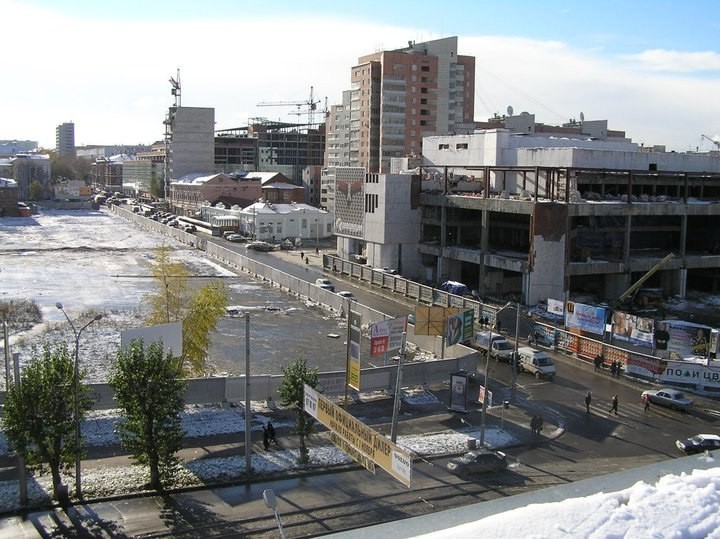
{"x": 585, "y": 317}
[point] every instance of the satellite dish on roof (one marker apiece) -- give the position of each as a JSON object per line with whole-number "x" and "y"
{"x": 582, "y": 116}
{"x": 509, "y": 110}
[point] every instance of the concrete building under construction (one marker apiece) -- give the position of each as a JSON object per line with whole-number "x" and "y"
{"x": 522, "y": 210}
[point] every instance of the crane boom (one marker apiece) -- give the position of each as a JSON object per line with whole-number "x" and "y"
{"x": 310, "y": 104}
{"x": 645, "y": 277}
{"x": 715, "y": 142}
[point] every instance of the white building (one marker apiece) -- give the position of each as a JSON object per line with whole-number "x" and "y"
{"x": 274, "y": 222}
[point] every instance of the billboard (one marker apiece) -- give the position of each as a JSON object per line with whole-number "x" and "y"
{"x": 169, "y": 334}
{"x": 386, "y": 336}
{"x": 459, "y": 325}
{"x": 353, "y": 359}
{"x": 366, "y": 446}
{"x": 430, "y": 321}
{"x": 633, "y": 329}
{"x": 685, "y": 339}
{"x": 585, "y": 317}
{"x": 349, "y": 201}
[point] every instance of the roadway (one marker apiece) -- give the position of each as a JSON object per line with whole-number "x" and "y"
{"x": 575, "y": 445}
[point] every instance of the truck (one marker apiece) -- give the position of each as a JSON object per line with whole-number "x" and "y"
{"x": 495, "y": 345}
{"x": 535, "y": 362}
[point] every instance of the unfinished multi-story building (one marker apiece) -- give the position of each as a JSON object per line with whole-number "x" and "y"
{"x": 526, "y": 211}
{"x": 397, "y": 98}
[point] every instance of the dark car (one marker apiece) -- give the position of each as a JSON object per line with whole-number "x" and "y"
{"x": 699, "y": 443}
{"x": 478, "y": 461}
{"x": 672, "y": 398}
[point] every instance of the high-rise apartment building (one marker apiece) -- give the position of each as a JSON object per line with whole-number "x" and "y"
{"x": 397, "y": 98}
{"x": 65, "y": 140}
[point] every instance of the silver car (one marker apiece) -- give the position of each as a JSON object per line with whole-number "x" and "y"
{"x": 672, "y": 398}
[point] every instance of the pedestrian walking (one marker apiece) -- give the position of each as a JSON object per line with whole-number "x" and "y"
{"x": 614, "y": 407}
{"x": 598, "y": 362}
{"x": 588, "y": 400}
{"x": 646, "y": 400}
{"x": 539, "y": 424}
{"x": 613, "y": 368}
{"x": 533, "y": 425}
{"x": 271, "y": 433}
{"x": 266, "y": 438}
{"x": 302, "y": 255}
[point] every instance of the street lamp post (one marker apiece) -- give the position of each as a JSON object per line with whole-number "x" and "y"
{"x": 76, "y": 391}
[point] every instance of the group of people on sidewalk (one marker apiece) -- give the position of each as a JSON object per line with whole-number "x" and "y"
{"x": 615, "y": 366}
{"x": 613, "y": 406}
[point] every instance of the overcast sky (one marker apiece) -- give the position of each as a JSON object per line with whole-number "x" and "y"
{"x": 649, "y": 67}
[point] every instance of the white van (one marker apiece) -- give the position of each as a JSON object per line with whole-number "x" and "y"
{"x": 535, "y": 362}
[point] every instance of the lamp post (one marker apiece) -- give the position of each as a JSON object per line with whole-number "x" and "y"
{"x": 76, "y": 391}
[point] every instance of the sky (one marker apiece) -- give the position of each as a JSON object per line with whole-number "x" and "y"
{"x": 651, "y": 68}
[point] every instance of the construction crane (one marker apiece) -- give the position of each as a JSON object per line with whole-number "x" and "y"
{"x": 715, "y": 142}
{"x": 310, "y": 105}
{"x": 634, "y": 288}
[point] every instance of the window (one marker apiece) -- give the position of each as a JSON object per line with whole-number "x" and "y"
{"x": 462, "y": 146}
{"x": 443, "y": 146}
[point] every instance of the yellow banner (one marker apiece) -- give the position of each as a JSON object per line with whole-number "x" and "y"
{"x": 360, "y": 441}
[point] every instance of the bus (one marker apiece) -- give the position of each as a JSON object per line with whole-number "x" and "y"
{"x": 224, "y": 223}
{"x": 200, "y": 226}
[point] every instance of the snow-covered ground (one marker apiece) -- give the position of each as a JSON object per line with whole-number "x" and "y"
{"x": 199, "y": 421}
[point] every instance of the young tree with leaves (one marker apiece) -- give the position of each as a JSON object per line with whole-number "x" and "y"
{"x": 199, "y": 310}
{"x": 292, "y": 393}
{"x": 39, "y": 416}
{"x": 149, "y": 389}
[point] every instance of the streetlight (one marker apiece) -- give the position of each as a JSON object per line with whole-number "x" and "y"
{"x": 76, "y": 391}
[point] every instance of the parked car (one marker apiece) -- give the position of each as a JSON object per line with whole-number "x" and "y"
{"x": 478, "y": 461}
{"x": 229, "y": 233}
{"x": 190, "y": 228}
{"x": 325, "y": 283}
{"x": 347, "y": 295}
{"x": 287, "y": 245}
{"x": 699, "y": 443}
{"x": 236, "y": 238}
{"x": 672, "y": 398}
{"x": 390, "y": 271}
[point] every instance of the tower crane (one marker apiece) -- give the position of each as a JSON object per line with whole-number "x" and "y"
{"x": 310, "y": 105}
{"x": 715, "y": 142}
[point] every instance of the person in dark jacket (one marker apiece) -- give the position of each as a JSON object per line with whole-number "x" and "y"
{"x": 588, "y": 400}
{"x": 614, "y": 406}
{"x": 266, "y": 438}
{"x": 271, "y": 433}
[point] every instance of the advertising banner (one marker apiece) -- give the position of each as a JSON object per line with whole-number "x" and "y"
{"x": 353, "y": 359}
{"x": 366, "y": 446}
{"x": 555, "y": 306}
{"x": 585, "y": 317}
{"x": 686, "y": 339}
{"x": 633, "y": 329}
{"x": 458, "y": 392}
{"x": 386, "y": 336}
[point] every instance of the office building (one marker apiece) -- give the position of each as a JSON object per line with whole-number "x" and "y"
{"x": 65, "y": 140}
{"x": 397, "y": 98}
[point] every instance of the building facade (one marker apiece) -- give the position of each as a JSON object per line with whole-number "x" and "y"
{"x": 589, "y": 213}
{"x": 65, "y": 140}
{"x": 397, "y": 98}
{"x": 190, "y": 140}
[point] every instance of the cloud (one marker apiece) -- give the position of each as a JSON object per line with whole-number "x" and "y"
{"x": 675, "y": 61}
